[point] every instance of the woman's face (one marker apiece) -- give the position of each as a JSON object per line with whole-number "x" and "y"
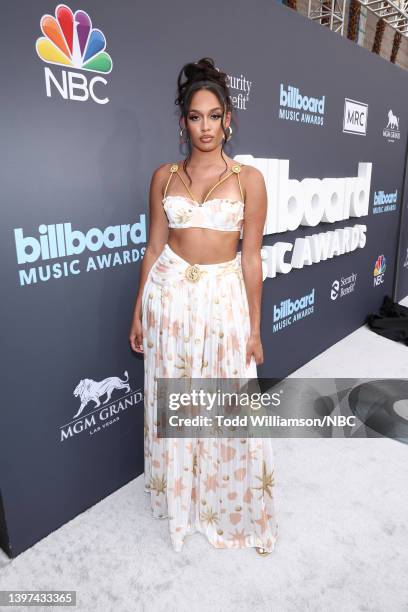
{"x": 204, "y": 120}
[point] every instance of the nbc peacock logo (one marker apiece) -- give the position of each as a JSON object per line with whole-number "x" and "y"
{"x": 379, "y": 269}
{"x": 71, "y": 42}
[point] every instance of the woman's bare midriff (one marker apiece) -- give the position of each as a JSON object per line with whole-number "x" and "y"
{"x": 199, "y": 245}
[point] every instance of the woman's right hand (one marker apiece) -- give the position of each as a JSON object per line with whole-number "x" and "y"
{"x": 136, "y": 336}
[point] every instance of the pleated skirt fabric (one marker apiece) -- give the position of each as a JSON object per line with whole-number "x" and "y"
{"x": 220, "y": 487}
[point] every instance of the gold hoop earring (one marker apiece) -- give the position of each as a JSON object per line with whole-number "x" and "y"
{"x": 182, "y": 140}
{"x": 230, "y": 134}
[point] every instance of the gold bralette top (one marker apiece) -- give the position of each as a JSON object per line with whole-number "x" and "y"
{"x": 217, "y": 213}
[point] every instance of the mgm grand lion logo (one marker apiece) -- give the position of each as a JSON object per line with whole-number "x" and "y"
{"x": 91, "y": 390}
{"x": 393, "y": 121}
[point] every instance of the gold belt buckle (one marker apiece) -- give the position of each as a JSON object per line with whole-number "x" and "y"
{"x": 193, "y": 273}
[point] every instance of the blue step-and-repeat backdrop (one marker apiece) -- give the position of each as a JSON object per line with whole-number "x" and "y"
{"x": 87, "y": 114}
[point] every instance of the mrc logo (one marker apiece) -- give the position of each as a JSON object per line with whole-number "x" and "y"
{"x": 70, "y": 41}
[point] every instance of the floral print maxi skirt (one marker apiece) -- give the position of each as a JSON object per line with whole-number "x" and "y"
{"x": 221, "y": 487}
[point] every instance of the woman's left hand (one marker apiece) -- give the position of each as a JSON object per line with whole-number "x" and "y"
{"x": 254, "y": 347}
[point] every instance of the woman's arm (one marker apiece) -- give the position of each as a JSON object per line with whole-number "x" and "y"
{"x": 254, "y": 222}
{"x": 158, "y": 235}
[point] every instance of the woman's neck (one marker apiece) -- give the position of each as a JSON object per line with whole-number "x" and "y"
{"x": 206, "y": 159}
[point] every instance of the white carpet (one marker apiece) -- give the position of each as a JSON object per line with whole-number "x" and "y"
{"x": 343, "y": 529}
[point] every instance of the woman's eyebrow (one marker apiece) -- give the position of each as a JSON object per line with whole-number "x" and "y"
{"x": 193, "y": 110}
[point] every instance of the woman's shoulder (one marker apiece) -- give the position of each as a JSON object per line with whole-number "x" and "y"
{"x": 167, "y": 168}
{"x": 162, "y": 171}
{"x": 246, "y": 170}
{"x": 251, "y": 171}
{"x": 252, "y": 179}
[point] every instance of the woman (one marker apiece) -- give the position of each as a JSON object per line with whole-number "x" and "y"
{"x": 197, "y": 314}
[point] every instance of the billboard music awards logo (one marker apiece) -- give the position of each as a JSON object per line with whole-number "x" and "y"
{"x": 379, "y": 270}
{"x": 293, "y": 106}
{"x": 355, "y": 117}
{"x": 290, "y": 311}
{"x": 344, "y": 286}
{"x": 54, "y": 252}
{"x": 243, "y": 86}
{"x": 70, "y": 41}
{"x": 307, "y": 202}
{"x": 96, "y": 411}
{"x": 385, "y": 202}
{"x": 391, "y": 131}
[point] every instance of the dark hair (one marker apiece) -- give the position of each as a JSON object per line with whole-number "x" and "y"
{"x": 202, "y": 75}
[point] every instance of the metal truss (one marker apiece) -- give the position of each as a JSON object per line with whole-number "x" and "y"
{"x": 394, "y": 13}
{"x": 329, "y": 13}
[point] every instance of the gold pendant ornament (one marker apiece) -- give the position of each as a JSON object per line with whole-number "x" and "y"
{"x": 193, "y": 273}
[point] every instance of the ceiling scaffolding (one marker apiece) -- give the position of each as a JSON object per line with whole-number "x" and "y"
{"x": 331, "y": 13}
{"x": 328, "y": 13}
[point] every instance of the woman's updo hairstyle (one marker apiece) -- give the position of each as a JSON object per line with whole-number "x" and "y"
{"x": 202, "y": 75}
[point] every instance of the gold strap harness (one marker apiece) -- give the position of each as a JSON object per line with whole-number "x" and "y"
{"x": 235, "y": 169}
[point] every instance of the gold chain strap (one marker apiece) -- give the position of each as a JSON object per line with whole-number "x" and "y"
{"x": 236, "y": 169}
{"x": 219, "y": 183}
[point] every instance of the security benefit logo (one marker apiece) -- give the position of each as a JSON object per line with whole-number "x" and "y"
{"x": 343, "y": 286}
{"x": 240, "y": 88}
{"x": 99, "y": 404}
{"x": 59, "y": 250}
{"x": 391, "y": 131}
{"x": 379, "y": 270}
{"x": 70, "y": 41}
{"x": 355, "y": 117}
